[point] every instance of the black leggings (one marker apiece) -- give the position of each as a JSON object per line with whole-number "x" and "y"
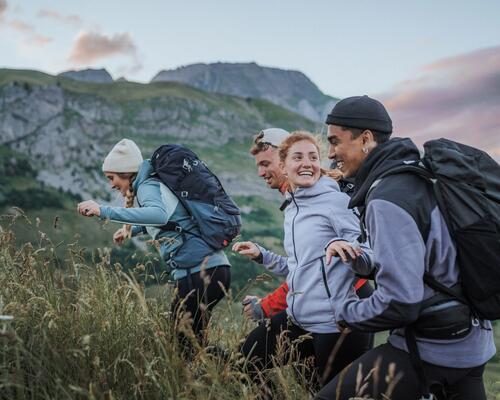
{"x": 261, "y": 344}
{"x": 446, "y": 383}
{"x": 201, "y": 288}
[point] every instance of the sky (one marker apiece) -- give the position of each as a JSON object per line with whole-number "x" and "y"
{"x": 419, "y": 57}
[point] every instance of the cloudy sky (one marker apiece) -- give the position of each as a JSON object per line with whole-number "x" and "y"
{"x": 436, "y": 64}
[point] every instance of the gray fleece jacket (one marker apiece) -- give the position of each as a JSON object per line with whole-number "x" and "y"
{"x": 315, "y": 216}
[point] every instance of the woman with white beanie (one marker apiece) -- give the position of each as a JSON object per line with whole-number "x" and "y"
{"x": 128, "y": 173}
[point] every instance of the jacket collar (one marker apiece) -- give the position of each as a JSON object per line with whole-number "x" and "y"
{"x": 380, "y": 160}
{"x": 323, "y": 185}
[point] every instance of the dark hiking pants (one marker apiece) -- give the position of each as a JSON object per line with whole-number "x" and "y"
{"x": 198, "y": 294}
{"x": 395, "y": 379}
{"x": 263, "y": 342}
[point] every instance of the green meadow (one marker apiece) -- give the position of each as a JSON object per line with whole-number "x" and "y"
{"x": 94, "y": 323}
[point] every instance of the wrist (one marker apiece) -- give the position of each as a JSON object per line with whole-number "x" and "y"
{"x": 258, "y": 259}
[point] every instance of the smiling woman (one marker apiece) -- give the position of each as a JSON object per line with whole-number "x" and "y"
{"x": 203, "y": 277}
{"x": 300, "y": 160}
{"x": 316, "y": 284}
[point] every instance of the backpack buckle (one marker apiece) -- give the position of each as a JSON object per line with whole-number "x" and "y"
{"x": 184, "y": 194}
{"x": 178, "y": 229}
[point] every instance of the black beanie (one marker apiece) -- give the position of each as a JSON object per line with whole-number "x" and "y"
{"x": 360, "y": 112}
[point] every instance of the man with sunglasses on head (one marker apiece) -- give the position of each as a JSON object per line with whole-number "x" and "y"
{"x": 265, "y": 152}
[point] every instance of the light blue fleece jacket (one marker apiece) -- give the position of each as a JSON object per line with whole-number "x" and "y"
{"x": 314, "y": 217}
{"x": 157, "y": 206}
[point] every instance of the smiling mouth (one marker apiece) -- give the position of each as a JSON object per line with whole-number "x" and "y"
{"x": 340, "y": 165}
{"x": 306, "y": 173}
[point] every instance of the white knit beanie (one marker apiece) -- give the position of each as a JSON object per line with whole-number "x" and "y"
{"x": 125, "y": 157}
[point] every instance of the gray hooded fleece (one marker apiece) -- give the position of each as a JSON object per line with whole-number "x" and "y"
{"x": 315, "y": 216}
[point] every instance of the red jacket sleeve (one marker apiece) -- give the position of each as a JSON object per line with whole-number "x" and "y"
{"x": 275, "y": 302}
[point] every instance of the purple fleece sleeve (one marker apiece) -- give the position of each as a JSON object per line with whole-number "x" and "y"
{"x": 399, "y": 250}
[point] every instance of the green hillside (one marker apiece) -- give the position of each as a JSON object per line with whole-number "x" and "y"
{"x": 126, "y": 92}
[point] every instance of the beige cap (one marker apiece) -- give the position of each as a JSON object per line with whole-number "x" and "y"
{"x": 125, "y": 157}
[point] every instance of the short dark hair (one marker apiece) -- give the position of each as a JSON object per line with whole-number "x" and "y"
{"x": 380, "y": 137}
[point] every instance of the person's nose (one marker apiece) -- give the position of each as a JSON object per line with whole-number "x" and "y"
{"x": 306, "y": 163}
{"x": 261, "y": 172}
{"x": 331, "y": 152}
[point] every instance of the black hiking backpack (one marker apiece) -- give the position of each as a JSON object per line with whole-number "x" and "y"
{"x": 200, "y": 192}
{"x": 466, "y": 184}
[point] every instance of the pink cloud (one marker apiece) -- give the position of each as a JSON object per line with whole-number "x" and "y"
{"x": 457, "y": 98}
{"x": 31, "y": 36}
{"x": 91, "y": 46}
{"x": 73, "y": 20}
{"x": 39, "y": 40}
{"x": 21, "y": 26}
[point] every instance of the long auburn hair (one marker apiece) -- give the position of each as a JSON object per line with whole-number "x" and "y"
{"x": 298, "y": 136}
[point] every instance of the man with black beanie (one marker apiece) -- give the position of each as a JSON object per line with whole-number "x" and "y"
{"x": 408, "y": 236}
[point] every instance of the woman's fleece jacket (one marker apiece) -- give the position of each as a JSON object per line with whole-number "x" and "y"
{"x": 315, "y": 216}
{"x": 158, "y": 205}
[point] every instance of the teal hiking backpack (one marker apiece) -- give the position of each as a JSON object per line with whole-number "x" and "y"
{"x": 200, "y": 192}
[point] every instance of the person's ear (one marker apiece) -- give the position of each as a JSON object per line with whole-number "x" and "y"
{"x": 282, "y": 168}
{"x": 368, "y": 140}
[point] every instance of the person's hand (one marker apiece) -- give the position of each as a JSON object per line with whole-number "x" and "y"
{"x": 252, "y": 308}
{"x": 247, "y": 249}
{"x": 89, "y": 208}
{"x": 120, "y": 235}
{"x": 345, "y": 250}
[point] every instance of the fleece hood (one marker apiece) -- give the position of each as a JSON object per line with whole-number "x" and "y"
{"x": 322, "y": 186}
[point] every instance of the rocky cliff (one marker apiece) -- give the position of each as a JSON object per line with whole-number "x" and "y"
{"x": 89, "y": 75}
{"x": 289, "y": 89}
{"x": 66, "y": 127}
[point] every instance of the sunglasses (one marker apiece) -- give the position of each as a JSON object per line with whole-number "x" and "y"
{"x": 263, "y": 140}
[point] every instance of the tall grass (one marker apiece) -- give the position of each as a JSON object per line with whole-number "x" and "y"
{"x": 84, "y": 331}
{"x": 87, "y": 330}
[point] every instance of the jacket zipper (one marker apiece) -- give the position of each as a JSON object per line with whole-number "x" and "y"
{"x": 295, "y": 254}
{"x": 324, "y": 278}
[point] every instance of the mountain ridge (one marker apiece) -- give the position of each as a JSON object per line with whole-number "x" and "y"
{"x": 89, "y": 75}
{"x": 290, "y": 89}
